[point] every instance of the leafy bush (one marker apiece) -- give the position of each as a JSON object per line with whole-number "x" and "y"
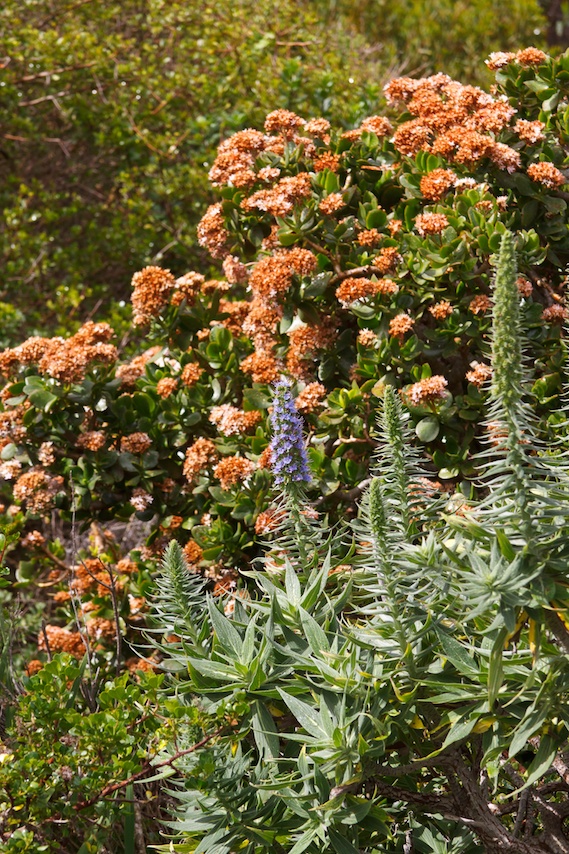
{"x": 446, "y": 36}
{"x": 112, "y": 109}
{"x": 69, "y": 743}
{"x": 414, "y": 698}
{"x": 352, "y": 260}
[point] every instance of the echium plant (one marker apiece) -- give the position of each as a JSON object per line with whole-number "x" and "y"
{"x": 413, "y": 700}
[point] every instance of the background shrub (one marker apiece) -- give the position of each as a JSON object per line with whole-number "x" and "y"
{"x": 112, "y": 111}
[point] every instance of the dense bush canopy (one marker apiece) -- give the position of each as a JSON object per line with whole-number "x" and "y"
{"x": 111, "y": 111}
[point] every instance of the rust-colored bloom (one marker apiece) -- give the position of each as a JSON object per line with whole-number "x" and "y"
{"x": 284, "y": 122}
{"x": 498, "y": 59}
{"x": 412, "y": 136}
{"x": 326, "y": 160}
{"x": 352, "y": 290}
{"x": 367, "y": 338}
{"x": 479, "y": 374}
{"x": 201, "y": 455}
{"x": 525, "y": 287}
{"x": 369, "y": 237}
{"x": 61, "y": 640}
{"x": 187, "y": 287}
{"x": 151, "y": 293}
{"x": 262, "y": 367}
{"x": 441, "y": 310}
{"x": 547, "y": 174}
{"x": 235, "y": 270}
{"x": 232, "y": 421}
{"x": 212, "y": 232}
{"x": 233, "y": 470}
{"x": 435, "y": 184}
{"x": 400, "y": 325}
{"x": 331, "y": 204}
{"x": 555, "y": 314}
{"x": 430, "y": 223}
{"x": 191, "y": 373}
{"x": 529, "y": 132}
{"x": 135, "y": 443}
{"x": 311, "y": 398}
{"x": 268, "y": 521}
{"x": 193, "y": 553}
{"x": 480, "y": 304}
{"x": 531, "y": 56}
{"x": 37, "y": 490}
{"x": 387, "y": 259}
{"x": 166, "y": 386}
{"x": 427, "y": 390}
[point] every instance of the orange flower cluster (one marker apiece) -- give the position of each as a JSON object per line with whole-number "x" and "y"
{"x": 193, "y": 553}
{"x": 326, "y": 160}
{"x": 458, "y": 122}
{"x": 352, "y": 290}
{"x": 430, "y": 223}
{"x": 92, "y": 440}
{"x": 284, "y": 122}
{"x": 234, "y": 270}
{"x": 37, "y": 490}
{"x": 268, "y": 521}
{"x": 135, "y": 443}
{"x": 233, "y": 470}
{"x": 387, "y": 259}
{"x": 212, "y": 233}
{"x": 525, "y": 287}
{"x": 546, "y": 174}
{"x": 369, "y": 237}
{"x": 61, "y": 640}
{"x": 311, "y": 398}
{"x": 232, "y": 421}
{"x": 480, "y": 304}
{"x": 527, "y": 56}
{"x": 427, "y": 390}
{"x": 166, "y": 386}
{"x": 237, "y": 311}
{"x": 151, "y": 292}
{"x": 555, "y": 314}
{"x": 129, "y": 373}
{"x": 280, "y": 199}
{"x": 331, "y": 204}
{"x": 191, "y": 373}
{"x": 400, "y": 325}
{"x": 441, "y": 310}
{"x": 187, "y": 287}
{"x": 272, "y": 277}
{"x": 304, "y": 344}
{"x": 530, "y": 132}
{"x": 262, "y": 367}
{"x": 367, "y": 338}
{"x": 435, "y": 184}
{"x": 63, "y": 359}
{"x": 479, "y": 374}
{"x": 201, "y": 455}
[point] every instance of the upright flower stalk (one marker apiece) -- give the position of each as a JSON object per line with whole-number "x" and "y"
{"x": 290, "y": 463}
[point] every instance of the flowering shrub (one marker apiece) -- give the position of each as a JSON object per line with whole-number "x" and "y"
{"x": 352, "y": 260}
{"x": 413, "y": 699}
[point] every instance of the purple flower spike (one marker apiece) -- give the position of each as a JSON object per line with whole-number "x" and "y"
{"x": 289, "y": 460}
